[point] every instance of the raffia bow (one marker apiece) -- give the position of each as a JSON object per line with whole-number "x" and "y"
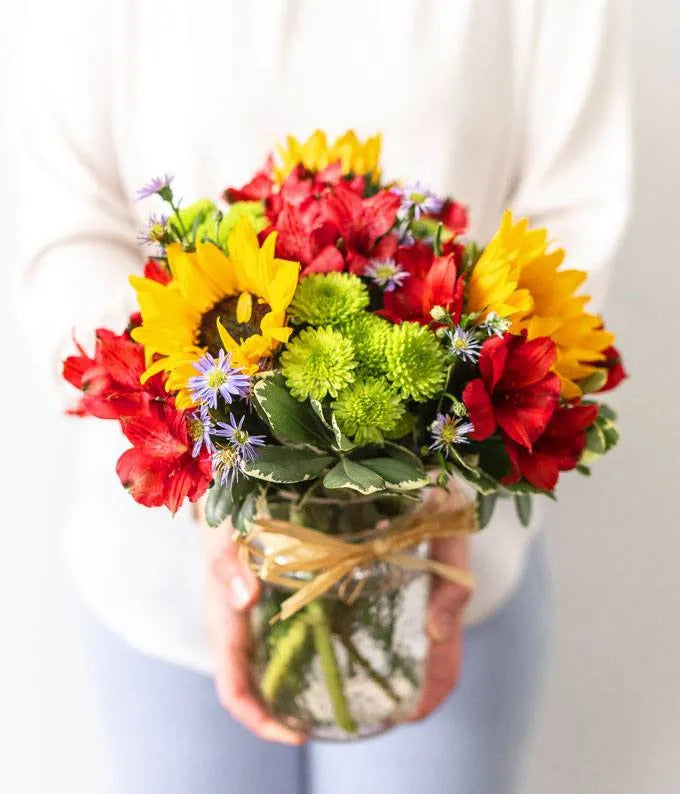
{"x": 328, "y": 560}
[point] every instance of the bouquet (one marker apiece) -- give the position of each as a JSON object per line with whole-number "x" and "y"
{"x": 325, "y": 355}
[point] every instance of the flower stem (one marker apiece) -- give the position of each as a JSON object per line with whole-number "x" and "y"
{"x": 323, "y": 642}
{"x": 374, "y": 675}
{"x": 286, "y": 649}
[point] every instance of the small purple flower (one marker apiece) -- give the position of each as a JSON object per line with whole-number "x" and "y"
{"x": 159, "y": 184}
{"x": 227, "y": 465}
{"x": 464, "y": 344}
{"x": 495, "y": 325}
{"x": 154, "y": 231}
{"x": 386, "y": 273}
{"x": 200, "y": 426}
{"x": 416, "y": 199}
{"x": 217, "y": 377}
{"x": 448, "y": 430}
{"x": 240, "y": 439}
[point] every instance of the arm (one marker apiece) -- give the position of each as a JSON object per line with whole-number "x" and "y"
{"x": 575, "y": 160}
{"x": 78, "y": 229}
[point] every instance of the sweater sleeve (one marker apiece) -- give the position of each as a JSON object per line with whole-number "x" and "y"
{"x": 575, "y": 160}
{"x": 77, "y": 225}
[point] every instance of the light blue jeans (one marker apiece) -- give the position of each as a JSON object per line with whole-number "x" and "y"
{"x": 168, "y": 734}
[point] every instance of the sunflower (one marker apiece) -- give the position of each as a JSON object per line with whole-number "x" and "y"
{"x": 518, "y": 278}
{"x": 315, "y": 154}
{"x": 214, "y": 301}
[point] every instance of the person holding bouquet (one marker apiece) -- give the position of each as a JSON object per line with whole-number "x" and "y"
{"x": 506, "y": 105}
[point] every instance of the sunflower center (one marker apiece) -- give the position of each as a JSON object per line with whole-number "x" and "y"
{"x": 227, "y": 312}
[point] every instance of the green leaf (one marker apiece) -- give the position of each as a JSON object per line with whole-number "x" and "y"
{"x": 607, "y": 412}
{"x": 523, "y": 508}
{"x": 397, "y": 473}
{"x": 287, "y": 464}
{"x": 218, "y": 505}
{"x": 584, "y": 470}
{"x": 348, "y": 474}
{"x": 398, "y": 452}
{"x": 287, "y": 418}
{"x": 486, "y": 504}
{"x": 595, "y": 440}
{"x": 594, "y": 382}
{"x": 342, "y": 443}
{"x": 242, "y": 517}
{"x": 611, "y": 435}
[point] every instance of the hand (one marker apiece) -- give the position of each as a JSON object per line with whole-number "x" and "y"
{"x": 231, "y": 589}
{"x": 444, "y": 627}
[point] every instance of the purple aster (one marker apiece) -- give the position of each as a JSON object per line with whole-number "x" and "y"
{"x": 200, "y": 426}
{"x": 416, "y": 199}
{"x": 386, "y": 273}
{"x": 159, "y": 184}
{"x": 448, "y": 430}
{"x": 495, "y": 325}
{"x": 217, "y": 376}
{"x": 227, "y": 465}
{"x": 464, "y": 344}
{"x": 154, "y": 231}
{"x": 240, "y": 439}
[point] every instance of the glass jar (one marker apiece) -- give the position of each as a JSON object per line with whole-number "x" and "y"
{"x": 341, "y": 667}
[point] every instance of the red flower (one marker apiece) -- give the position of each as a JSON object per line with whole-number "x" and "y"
{"x": 516, "y": 391}
{"x": 454, "y": 216}
{"x": 432, "y": 281}
{"x": 155, "y": 271}
{"x": 361, "y": 222}
{"x": 260, "y": 186}
{"x": 558, "y": 449}
{"x": 160, "y": 468}
{"x": 110, "y": 381}
{"x": 616, "y": 372}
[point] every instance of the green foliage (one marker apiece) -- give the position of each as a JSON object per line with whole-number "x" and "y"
{"x": 288, "y": 419}
{"x": 523, "y": 508}
{"x": 398, "y": 474}
{"x": 218, "y": 505}
{"x": 348, "y": 474}
{"x": 287, "y": 464}
{"x": 486, "y": 504}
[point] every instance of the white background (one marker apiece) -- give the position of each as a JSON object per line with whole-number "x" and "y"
{"x": 610, "y": 721}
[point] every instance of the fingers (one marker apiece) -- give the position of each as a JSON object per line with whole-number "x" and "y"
{"x": 444, "y": 626}
{"x": 241, "y": 586}
{"x": 233, "y": 683}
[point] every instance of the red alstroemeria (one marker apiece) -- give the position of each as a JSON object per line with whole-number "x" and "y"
{"x": 516, "y": 391}
{"x": 160, "y": 468}
{"x": 361, "y": 223}
{"x": 305, "y": 236}
{"x": 615, "y": 370}
{"x": 558, "y": 449}
{"x": 454, "y": 216}
{"x": 110, "y": 381}
{"x": 259, "y": 188}
{"x": 156, "y": 272}
{"x": 432, "y": 281}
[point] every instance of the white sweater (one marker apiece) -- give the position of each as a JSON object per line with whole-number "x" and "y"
{"x": 517, "y": 103}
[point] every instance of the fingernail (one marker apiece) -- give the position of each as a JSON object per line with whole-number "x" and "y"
{"x": 239, "y": 592}
{"x": 278, "y": 733}
{"x": 442, "y": 626}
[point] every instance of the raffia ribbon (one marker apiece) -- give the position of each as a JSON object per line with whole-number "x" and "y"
{"x": 329, "y": 560}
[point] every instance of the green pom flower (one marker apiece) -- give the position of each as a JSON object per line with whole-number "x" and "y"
{"x": 328, "y": 299}
{"x": 319, "y": 361}
{"x": 416, "y": 362}
{"x": 368, "y": 409}
{"x": 368, "y": 334}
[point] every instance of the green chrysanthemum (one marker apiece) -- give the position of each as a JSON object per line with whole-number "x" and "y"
{"x": 416, "y": 362}
{"x": 319, "y": 361}
{"x": 368, "y": 333}
{"x": 327, "y": 299}
{"x": 368, "y": 409}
